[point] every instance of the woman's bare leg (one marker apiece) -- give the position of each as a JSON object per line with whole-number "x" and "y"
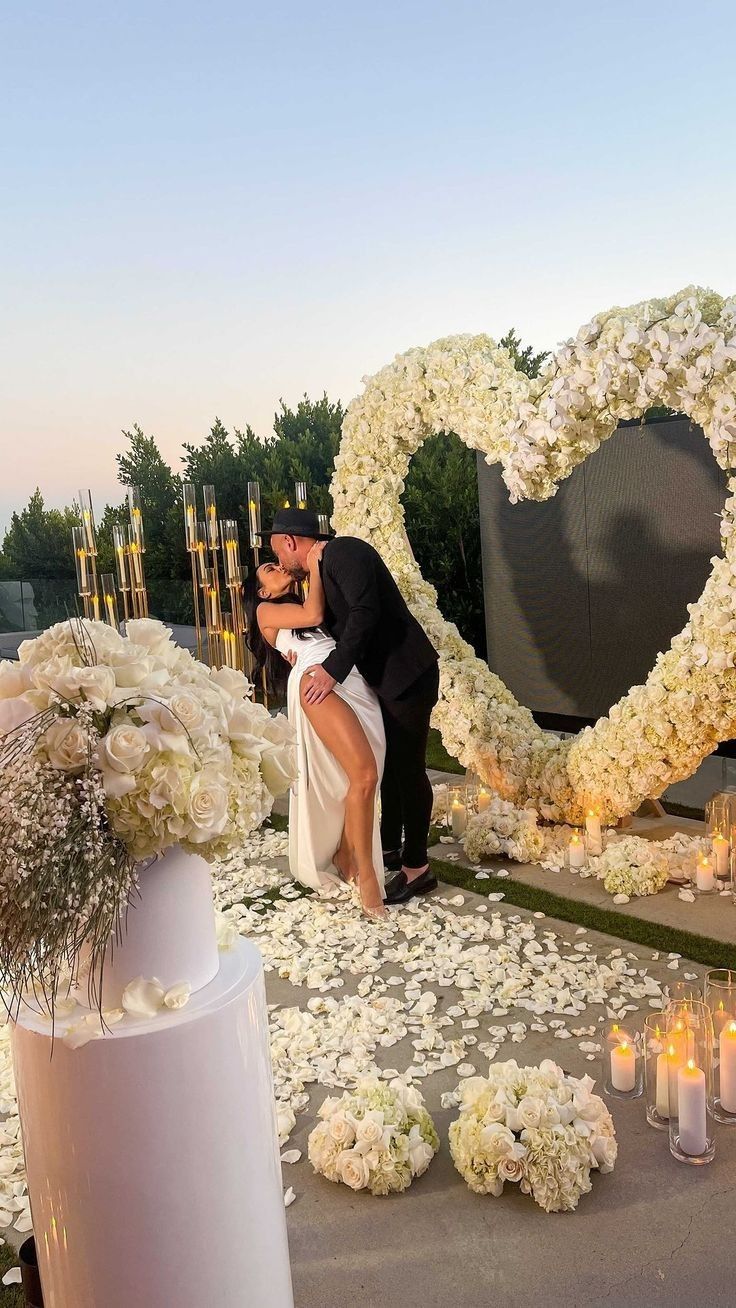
{"x": 340, "y": 731}
{"x": 344, "y": 859}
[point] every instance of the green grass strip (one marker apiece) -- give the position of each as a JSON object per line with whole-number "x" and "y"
{"x": 700, "y": 949}
{"x": 11, "y": 1296}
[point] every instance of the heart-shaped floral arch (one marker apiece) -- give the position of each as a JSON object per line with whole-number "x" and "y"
{"x": 679, "y": 352}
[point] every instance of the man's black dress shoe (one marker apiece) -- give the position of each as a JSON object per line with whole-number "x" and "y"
{"x": 399, "y": 890}
{"x": 392, "y": 860}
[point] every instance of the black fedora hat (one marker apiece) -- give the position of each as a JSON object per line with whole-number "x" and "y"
{"x": 297, "y": 522}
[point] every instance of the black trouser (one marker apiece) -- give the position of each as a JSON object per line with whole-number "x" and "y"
{"x": 406, "y": 791}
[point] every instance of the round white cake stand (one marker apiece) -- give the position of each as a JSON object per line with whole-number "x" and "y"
{"x": 152, "y": 1155}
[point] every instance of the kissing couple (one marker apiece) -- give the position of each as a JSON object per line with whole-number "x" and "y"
{"x": 363, "y": 682}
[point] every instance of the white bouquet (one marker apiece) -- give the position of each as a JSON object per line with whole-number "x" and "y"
{"x": 504, "y": 829}
{"x": 377, "y": 1137}
{"x": 535, "y": 1126}
{"x": 112, "y": 749}
{"x": 635, "y": 866}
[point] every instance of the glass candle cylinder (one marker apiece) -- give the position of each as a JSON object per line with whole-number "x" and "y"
{"x": 720, "y": 996}
{"x": 83, "y": 562}
{"x": 576, "y": 852}
{"x": 656, "y": 1071}
{"x": 88, "y": 521}
{"x": 484, "y": 798}
{"x": 212, "y": 603}
{"x": 300, "y": 494}
{"x": 120, "y": 546}
{"x": 718, "y": 830}
{"x": 200, "y": 552}
{"x": 109, "y": 600}
{"x": 189, "y": 495}
{"x": 136, "y": 519}
{"x": 254, "y": 514}
{"x": 210, "y": 517}
{"x": 472, "y": 783}
{"x": 682, "y": 991}
{"x": 690, "y": 1082}
{"x": 135, "y": 561}
{"x": 324, "y": 524}
{"x": 229, "y": 642}
{"x": 622, "y": 1070}
{"x": 457, "y": 811}
{"x": 231, "y": 551}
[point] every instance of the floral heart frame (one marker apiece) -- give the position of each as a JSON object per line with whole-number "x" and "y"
{"x": 680, "y": 352}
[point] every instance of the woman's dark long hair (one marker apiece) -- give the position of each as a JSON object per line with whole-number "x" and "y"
{"x": 276, "y": 668}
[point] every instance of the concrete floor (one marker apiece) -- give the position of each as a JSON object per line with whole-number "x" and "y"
{"x": 654, "y": 1231}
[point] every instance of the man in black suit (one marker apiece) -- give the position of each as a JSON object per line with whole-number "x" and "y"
{"x": 376, "y": 633}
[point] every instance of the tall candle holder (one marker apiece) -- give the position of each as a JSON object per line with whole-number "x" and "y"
{"x": 213, "y": 616}
{"x": 109, "y": 600}
{"x": 656, "y": 1071}
{"x": 83, "y": 566}
{"x": 300, "y": 494}
{"x": 89, "y": 534}
{"x": 234, "y": 583}
{"x": 136, "y": 548}
{"x": 120, "y": 550}
{"x": 256, "y": 541}
{"x": 622, "y": 1072}
{"x": 690, "y": 1082}
{"x": 323, "y": 521}
{"x": 193, "y": 537}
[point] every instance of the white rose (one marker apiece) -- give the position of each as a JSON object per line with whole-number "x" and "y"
{"x": 370, "y": 1130}
{"x": 66, "y": 745}
{"x": 124, "y": 748}
{"x": 352, "y": 1169}
{"x": 207, "y": 808}
{"x": 161, "y": 728}
{"x": 510, "y": 1168}
{"x": 605, "y": 1150}
{"x": 420, "y": 1156}
{"x": 14, "y": 712}
{"x": 187, "y": 709}
{"x": 340, "y": 1129}
{"x": 278, "y": 767}
{"x": 95, "y": 684}
{"x": 15, "y": 679}
{"x": 530, "y": 1111}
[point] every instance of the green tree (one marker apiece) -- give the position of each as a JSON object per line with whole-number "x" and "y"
{"x": 143, "y": 465}
{"x": 523, "y": 355}
{"x": 38, "y": 542}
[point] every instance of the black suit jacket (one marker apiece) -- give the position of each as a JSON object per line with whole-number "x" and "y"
{"x": 368, "y": 617}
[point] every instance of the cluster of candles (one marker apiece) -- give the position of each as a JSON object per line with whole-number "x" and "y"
{"x": 587, "y": 843}
{"x": 463, "y": 802}
{"x": 685, "y": 1062}
{"x": 209, "y": 539}
{"x": 99, "y": 593}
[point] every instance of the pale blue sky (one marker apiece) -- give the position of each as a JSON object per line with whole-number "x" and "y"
{"x": 206, "y": 207}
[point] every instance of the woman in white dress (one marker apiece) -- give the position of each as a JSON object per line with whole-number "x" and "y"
{"x": 333, "y": 807}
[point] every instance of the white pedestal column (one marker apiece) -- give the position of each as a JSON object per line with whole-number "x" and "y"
{"x": 152, "y": 1156}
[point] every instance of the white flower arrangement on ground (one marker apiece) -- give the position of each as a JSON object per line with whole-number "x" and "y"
{"x": 679, "y": 351}
{"x": 504, "y": 830}
{"x": 533, "y": 1126}
{"x": 112, "y": 750}
{"x": 378, "y": 1137}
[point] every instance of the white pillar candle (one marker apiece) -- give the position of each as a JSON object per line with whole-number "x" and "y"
{"x": 593, "y": 832}
{"x": 720, "y": 855}
{"x": 663, "y": 1092}
{"x": 576, "y": 851}
{"x": 459, "y": 818}
{"x": 484, "y": 799}
{"x": 727, "y": 1050}
{"x": 691, "y": 1109}
{"x": 623, "y": 1067}
{"x": 705, "y": 877}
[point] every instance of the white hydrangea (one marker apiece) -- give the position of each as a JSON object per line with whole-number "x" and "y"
{"x": 534, "y": 1126}
{"x": 377, "y": 1137}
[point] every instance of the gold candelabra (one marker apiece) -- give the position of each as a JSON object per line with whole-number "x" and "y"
{"x": 207, "y": 539}
{"x": 98, "y": 594}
